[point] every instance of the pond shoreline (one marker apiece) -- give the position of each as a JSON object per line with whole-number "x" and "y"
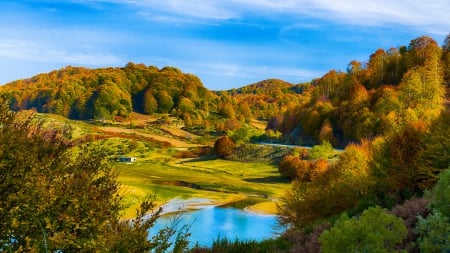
{"x": 177, "y": 205}
{"x": 209, "y": 221}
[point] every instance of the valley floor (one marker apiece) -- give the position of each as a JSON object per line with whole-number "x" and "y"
{"x": 251, "y": 186}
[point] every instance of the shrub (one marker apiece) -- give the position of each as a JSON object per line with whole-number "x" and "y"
{"x": 434, "y": 231}
{"x": 375, "y": 231}
{"x": 293, "y": 167}
{"x": 323, "y": 151}
{"x": 224, "y": 146}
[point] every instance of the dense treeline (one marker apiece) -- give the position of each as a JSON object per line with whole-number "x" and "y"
{"x": 81, "y": 93}
{"x": 267, "y": 98}
{"x": 397, "y": 118}
{"x": 373, "y": 98}
{"x": 110, "y": 93}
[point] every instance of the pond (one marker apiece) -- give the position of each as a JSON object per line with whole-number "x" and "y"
{"x": 211, "y": 223}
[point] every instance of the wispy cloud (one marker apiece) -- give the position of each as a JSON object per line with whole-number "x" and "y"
{"x": 234, "y": 70}
{"x": 424, "y": 14}
{"x": 378, "y": 12}
{"x": 224, "y": 42}
{"x": 32, "y": 51}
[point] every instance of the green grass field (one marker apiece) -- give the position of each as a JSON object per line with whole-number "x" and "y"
{"x": 220, "y": 181}
{"x": 253, "y": 185}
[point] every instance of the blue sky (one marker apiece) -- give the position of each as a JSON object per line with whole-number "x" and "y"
{"x": 227, "y": 43}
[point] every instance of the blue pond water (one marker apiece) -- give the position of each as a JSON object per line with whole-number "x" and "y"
{"x": 211, "y": 223}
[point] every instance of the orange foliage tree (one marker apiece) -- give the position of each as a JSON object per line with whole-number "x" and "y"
{"x": 224, "y": 146}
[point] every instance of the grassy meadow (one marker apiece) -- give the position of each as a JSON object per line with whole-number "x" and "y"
{"x": 254, "y": 186}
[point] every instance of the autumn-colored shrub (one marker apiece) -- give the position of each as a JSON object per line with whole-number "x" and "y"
{"x": 294, "y": 167}
{"x": 224, "y": 146}
{"x": 288, "y": 166}
{"x": 317, "y": 168}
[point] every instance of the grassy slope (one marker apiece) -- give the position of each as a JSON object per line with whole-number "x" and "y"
{"x": 253, "y": 185}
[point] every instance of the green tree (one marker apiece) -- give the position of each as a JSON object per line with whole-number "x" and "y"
{"x": 395, "y": 66}
{"x": 228, "y": 110}
{"x": 150, "y": 103}
{"x": 421, "y": 89}
{"x": 322, "y": 151}
{"x": 440, "y": 195}
{"x": 244, "y": 133}
{"x": 386, "y": 100}
{"x": 374, "y": 231}
{"x": 58, "y": 196}
{"x": 434, "y": 231}
{"x": 436, "y": 154}
{"x": 186, "y": 105}
{"x": 165, "y": 102}
{"x": 329, "y": 85}
{"x": 376, "y": 67}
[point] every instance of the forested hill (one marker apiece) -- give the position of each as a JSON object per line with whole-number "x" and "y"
{"x": 393, "y": 88}
{"x": 271, "y": 87}
{"x": 267, "y": 98}
{"x": 81, "y": 93}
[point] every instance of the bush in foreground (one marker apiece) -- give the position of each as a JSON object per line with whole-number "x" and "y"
{"x": 57, "y": 195}
{"x": 375, "y": 231}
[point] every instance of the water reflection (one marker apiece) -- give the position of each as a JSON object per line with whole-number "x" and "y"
{"x": 211, "y": 223}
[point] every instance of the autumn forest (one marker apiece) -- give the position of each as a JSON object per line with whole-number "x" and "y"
{"x": 388, "y": 115}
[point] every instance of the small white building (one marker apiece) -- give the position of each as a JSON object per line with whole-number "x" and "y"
{"x": 127, "y": 159}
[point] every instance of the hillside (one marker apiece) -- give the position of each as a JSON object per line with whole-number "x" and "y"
{"x": 390, "y": 115}
{"x": 269, "y": 97}
{"x": 371, "y": 98}
{"x": 106, "y": 93}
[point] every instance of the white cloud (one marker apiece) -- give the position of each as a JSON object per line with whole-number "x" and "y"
{"x": 423, "y": 14}
{"x": 374, "y": 12}
{"x": 27, "y": 50}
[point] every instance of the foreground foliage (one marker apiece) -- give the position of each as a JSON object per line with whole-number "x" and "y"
{"x": 59, "y": 195}
{"x": 393, "y": 87}
{"x": 434, "y": 230}
{"x": 227, "y": 246}
{"x": 374, "y": 231}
